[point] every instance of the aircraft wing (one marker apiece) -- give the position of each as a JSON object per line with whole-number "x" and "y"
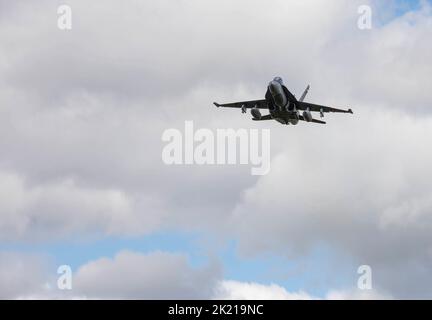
{"x": 260, "y": 104}
{"x": 264, "y": 118}
{"x": 319, "y": 108}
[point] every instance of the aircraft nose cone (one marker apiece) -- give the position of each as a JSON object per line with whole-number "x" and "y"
{"x": 274, "y": 87}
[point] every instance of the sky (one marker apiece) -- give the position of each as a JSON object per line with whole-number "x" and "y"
{"x": 83, "y": 184}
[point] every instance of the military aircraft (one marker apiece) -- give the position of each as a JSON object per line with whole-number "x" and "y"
{"x": 283, "y": 106}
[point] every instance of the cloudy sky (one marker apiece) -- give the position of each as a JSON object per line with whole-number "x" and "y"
{"x": 82, "y": 181}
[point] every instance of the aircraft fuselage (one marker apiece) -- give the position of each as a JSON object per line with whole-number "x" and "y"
{"x": 282, "y": 102}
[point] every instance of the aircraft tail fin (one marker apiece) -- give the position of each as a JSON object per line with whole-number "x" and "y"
{"x": 303, "y": 96}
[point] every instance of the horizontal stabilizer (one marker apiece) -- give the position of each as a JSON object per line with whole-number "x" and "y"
{"x": 263, "y": 118}
{"x": 318, "y": 121}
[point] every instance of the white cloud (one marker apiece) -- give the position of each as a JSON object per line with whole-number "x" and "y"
{"x": 134, "y": 275}
{"x": 62, "y": 209}
{"x": 129, "y": 275}
{"x": 362, "y": 189}
{"x": 236, "y": 290}
{"x": 356, "y": 294}
{"x": 22, "y": 275}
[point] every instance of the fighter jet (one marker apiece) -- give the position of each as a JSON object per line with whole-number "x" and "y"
{"x": 283, "y": 106}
